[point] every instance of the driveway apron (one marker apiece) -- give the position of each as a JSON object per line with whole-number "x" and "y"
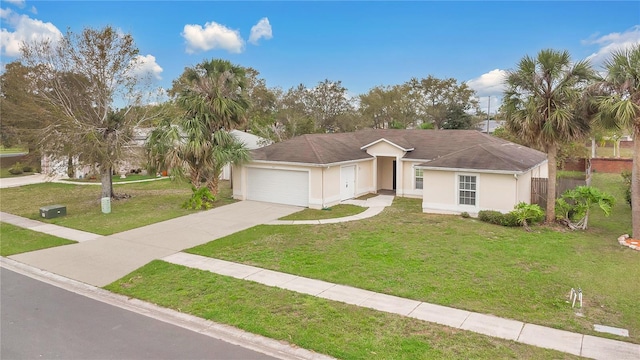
{"x": 100, "y": 262}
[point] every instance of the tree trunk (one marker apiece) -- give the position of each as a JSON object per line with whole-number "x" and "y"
{"x": 195, "y": 178}
{"x": 593, "y": 148}
{"x": 552, "y": 151}
{"x": 212, "y": 184}
{"x": 71, "y": 171}
{"x": 635, "y": 187}
{"x": 105, "y": 180}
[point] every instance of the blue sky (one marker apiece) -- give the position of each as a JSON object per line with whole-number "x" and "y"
{"x": 361, "y": 43}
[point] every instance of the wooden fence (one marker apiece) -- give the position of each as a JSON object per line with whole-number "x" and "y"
{"x": 539, "y": 189}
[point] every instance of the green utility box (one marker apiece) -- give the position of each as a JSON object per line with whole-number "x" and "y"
{"x": 53, "y": 211}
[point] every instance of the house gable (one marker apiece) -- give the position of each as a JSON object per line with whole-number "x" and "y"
{"x": 384, "y": 147}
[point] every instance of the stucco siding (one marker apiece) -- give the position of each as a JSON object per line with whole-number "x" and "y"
{"x": 364, "y": 178}
{"x": 439, "y": 192}
{"x": 500, "y": 192}
{"x": 497, "y": 192}
{"x": 408, "y": 179}
{"x": 385, "y": 149}
{"x": 524, "y": 187}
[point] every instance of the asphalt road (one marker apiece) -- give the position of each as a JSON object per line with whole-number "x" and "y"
{"x": 41, "y": 321}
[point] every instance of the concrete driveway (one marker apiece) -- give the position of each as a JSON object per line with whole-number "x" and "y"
{"x": 106, "y": 259}
{"x": 25, "y": 180}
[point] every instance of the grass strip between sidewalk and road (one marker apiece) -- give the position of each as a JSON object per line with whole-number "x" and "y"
{"x": 333, "y": 212}
{"x": 328, "y": 327}
{"x": 17, "y": 240}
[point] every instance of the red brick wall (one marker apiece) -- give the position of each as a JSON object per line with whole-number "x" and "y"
{"x": 575, "y": 165}
{"x": 610, "y": 165}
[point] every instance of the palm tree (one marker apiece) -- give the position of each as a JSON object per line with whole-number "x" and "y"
{"x": 541, "y": 103}
{"x": 198, "y": 144}
{"x": 620, "y": 109}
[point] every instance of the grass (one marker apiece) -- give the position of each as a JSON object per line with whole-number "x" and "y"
{"x": 117, "y": 179}
{"x": 328, "y": 327}
{"x": 608, "y": 152}
{"x": 464, "y": 263}
{"x": 336, "y": 211}
{"x": 366, "y": 196}
{"x": 4, "y": 173}
{"x": 16, "y": 240}
{"x": 12, "y": 150}
{"x": 571, "y": 174}
{"x": 150, "y": 202}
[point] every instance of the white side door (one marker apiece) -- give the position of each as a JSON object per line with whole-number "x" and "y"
{"x": 347, "y": 182}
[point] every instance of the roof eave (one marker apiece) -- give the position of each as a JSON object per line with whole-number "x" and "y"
{"x": 310, "y": 164}
{"x": 504, "y": 172}
{"x": 388, "y": 142}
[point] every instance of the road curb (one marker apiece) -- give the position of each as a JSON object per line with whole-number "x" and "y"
{"x": 232, "y": 335}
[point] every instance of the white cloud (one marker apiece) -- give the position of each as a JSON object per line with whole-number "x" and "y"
{"x": 34, "y": 10}
{"x": 489, "y": 87}
{"x": 146, "y": 65}
{"x": 25, "y": 29}
{"x": 491, "y": 83}
{"x": 612, "y": 42}
{"x": 212, "y": 36}
{"x": 260, "y": 30}
{"x": 18, "y": 3}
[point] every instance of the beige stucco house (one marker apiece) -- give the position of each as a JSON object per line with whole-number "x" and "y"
{"x": 453, "y": 171}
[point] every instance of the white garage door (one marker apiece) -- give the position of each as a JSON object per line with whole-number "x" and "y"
{"x": 278, "y": 186}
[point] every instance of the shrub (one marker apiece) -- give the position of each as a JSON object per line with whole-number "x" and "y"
{"x": 27, "y": 168}
{"x": 16, "y": 169}
{"x": 510, "y": 219}
{"x": 201, "y": 199}
{"x": 465, "y": 215}
{"x": 491, "y": 217}
{"x": 526, "y": 214}
{"x": 574, "y": 205}
{"x": 498, "y": 218}
{"x": 626, "y": 176}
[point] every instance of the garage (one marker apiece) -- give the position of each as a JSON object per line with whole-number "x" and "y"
{"x": 278, "y": 186}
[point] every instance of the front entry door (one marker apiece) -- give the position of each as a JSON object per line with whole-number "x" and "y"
{"x": 347, "y": 182}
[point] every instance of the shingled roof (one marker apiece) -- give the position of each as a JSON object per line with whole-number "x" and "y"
{"x": 497, "y": 157}
{"x": 434, "y": 146}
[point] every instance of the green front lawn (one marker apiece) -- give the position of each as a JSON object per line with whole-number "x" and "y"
{"x": 337, "y": 211}
{"x": 328, "y": 327}
{"x": 463, "y": 263}
{"x": 150, "y": 202}
{"x": 117, "y": 179}
{"x": 16, "y": 240}
{"x": 12, "y": 150}
{"x": 4, "y": 173}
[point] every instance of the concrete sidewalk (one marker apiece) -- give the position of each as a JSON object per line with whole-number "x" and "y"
{"x": 105, "y": 259}
{"x": 565, "y": 341}
{"x": 51, "y": 229}
{"x": 26, "y": 180}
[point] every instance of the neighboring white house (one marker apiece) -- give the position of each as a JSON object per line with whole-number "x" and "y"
{"x": 453, "y": 171}
{"x": 133, "y": 159}
{"x": 249, "y": 140}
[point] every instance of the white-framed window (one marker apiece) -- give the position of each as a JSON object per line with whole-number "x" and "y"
{"x": 419, "y": 178}
{"x": 467, "y": 186}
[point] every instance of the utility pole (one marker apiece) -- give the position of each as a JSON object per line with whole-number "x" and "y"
{"x": 488, "y": 112}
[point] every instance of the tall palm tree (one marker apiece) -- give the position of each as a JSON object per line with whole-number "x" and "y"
{"x": 541, "y": 103}
{"x": 620, "y": 109}
{"x": 198, "y": 145}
